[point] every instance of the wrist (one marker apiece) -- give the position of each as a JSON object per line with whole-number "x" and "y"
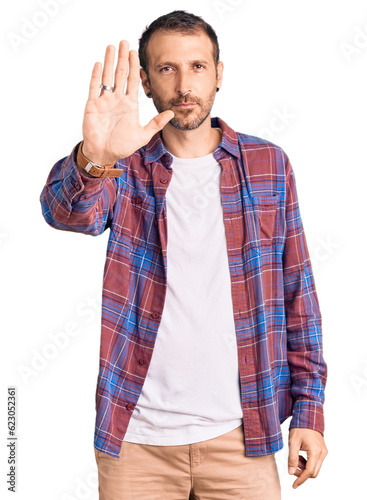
{"x": 95, "y": 167}
{"x": 96, "y": 158}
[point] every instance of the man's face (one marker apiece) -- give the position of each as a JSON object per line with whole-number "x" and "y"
{"x": 182, "y": 64}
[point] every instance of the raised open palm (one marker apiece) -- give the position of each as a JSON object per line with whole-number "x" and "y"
{"x": 111, "y": 128}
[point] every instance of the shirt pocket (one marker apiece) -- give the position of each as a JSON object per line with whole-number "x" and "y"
{"x": 134, "y": 215}
{"x": 266, "y": 210}
{"x": 141, "y": 224}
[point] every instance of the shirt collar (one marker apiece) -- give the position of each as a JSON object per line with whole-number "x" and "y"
{"x": 155, "y": 148}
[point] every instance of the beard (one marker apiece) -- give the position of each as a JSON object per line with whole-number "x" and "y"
{"x": 186, "y": 119}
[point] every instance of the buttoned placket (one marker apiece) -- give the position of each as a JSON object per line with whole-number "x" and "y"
{"x": 238, "y": 233}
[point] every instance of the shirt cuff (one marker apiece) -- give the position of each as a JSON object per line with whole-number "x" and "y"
{"x": 75, "y": 182}
{"x": 308, "y": 414}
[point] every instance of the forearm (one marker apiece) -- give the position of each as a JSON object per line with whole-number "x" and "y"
{"x": 73, "y": 201}
{"x": 306, "y": 363}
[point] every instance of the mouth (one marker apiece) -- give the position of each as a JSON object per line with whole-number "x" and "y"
{"x": 185, "y": 105}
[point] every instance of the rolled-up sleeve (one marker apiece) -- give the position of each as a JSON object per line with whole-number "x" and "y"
{"x": 303, "y": 319}
{"x": 72, "y": 201}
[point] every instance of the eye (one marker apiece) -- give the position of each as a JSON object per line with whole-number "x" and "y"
{"x": 163, "y": 70}
{"x": 199, "y": 66}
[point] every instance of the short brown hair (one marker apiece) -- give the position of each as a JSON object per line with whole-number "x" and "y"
{"x": 179, "y": 21}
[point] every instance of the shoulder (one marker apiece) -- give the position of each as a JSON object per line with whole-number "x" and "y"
{"x": 263, "y": 156}
{"x": 253, "y": 143}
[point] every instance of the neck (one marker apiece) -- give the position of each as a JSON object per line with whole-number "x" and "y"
{"x": 191, "y": 143}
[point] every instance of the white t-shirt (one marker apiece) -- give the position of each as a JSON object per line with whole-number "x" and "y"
{"x": 192, "y": 389}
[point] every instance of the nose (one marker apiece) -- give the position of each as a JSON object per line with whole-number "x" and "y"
{"x": 183, "y": 83}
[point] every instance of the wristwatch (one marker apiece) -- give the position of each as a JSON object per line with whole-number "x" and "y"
{"x": 94, "y": 168}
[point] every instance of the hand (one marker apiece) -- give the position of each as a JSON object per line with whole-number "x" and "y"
{"x": 313, "y": 443}
{"x": 111, "y": 128}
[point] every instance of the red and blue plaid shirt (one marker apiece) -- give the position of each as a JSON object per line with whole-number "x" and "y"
{"x": 275, "y": 306}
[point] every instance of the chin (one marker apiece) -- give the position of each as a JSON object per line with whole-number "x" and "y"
{"x": 188, "y": 123}
{"x": 185, "y": 125}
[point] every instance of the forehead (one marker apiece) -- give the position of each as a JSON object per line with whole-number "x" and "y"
{"x": 177, "y": 46}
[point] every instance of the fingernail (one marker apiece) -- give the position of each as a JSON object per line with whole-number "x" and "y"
{"x": 291, "y": 470}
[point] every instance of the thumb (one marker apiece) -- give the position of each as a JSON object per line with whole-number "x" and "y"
{"x": 158, "y": 122}
{"x": 293, "y": 458}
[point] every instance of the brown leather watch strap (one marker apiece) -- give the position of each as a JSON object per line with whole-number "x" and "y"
{"x": 93, "y": 168}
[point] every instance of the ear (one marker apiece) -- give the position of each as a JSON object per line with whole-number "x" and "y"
{"x": 144, "y": 80}
{"x": 220, "y": 68}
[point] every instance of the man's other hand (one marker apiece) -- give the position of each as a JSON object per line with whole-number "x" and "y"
{"x": 313, "y": 443}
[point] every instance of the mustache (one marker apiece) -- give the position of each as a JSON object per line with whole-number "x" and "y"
{"x": 175, "y": 102}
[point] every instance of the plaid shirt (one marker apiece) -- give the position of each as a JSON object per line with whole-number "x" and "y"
{"x": 275, "y": 306}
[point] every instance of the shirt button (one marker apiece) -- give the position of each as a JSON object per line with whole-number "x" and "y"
{"x": 155, "y": 315}
{"x": 138, "y": 199}
{"x": 163, "y": 180}
{"x": 166, "y": 158}
{"x": 130, "y": 406}
{"x": 76, "y": 185}
{"x": 142, "y": 361}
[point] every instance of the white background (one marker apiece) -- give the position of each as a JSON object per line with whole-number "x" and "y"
{"x": 302, "y": 61}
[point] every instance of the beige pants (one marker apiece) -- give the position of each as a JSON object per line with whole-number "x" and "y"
{"x": 215, "y": 469}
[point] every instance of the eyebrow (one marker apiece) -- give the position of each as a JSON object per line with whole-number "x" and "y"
{"x": 168, "y": 63}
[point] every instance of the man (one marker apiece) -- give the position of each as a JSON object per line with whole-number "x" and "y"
{"x": 211, "y": 328}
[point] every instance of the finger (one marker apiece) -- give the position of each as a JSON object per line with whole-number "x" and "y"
{"x": 293, "y": 456}
{"x": 301, "y": 466}
{"x": 308, "y": 472}
{"x": 134, "y": 74}
{"x": 94, "y": 81}
{"x": 157, "y": 123}
{"x": 122, "y": 66}
{"x": 318, "y": 466}
{"x": 107, "y": 75}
